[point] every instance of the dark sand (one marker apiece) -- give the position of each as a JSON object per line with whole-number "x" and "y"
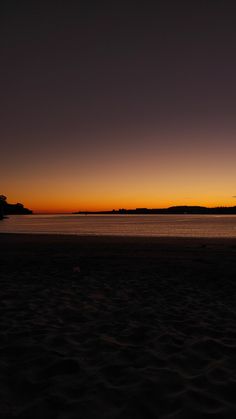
{"x": 108, "y": 328}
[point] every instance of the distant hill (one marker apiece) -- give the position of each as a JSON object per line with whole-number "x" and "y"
{"x": 12, "y": 209}
{"x": 183, "y": 209}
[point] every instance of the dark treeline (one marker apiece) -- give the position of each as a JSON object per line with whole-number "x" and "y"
{"x": 11, "y": 209}
{"x": 184, "y": 209}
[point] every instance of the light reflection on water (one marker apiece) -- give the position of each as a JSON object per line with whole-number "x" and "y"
{"x": 123, "y": 225}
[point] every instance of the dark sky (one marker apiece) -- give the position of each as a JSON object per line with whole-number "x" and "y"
{"x": 103, "y": 81}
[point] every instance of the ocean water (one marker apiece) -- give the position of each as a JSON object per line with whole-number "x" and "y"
{"x": 123, "y": 225}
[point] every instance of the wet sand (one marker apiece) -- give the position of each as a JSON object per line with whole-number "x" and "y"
{"x": 117, "y": 328}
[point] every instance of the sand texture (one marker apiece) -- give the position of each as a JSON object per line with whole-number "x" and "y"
{"x": 117, "y": 328}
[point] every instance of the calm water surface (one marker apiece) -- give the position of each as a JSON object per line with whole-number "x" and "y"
{"x": 123, "y": 225}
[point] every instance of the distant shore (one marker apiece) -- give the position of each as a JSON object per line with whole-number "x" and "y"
{"x": 183, "y": 209}
{"x": 117, "y": 327}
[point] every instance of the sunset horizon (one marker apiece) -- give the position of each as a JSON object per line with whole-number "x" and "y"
{"x": 64, "y": 208}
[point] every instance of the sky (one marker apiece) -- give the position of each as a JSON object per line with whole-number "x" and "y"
{"x": 116, "y": 105}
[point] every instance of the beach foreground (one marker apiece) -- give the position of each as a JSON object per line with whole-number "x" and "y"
{"x": 109, "y": 327}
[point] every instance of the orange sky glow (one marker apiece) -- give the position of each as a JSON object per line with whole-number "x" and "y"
{"x": 147, "y": 175}
{"x": 118, "y": 106}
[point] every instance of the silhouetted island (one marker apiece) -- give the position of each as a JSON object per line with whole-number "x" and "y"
{"x": 12, "y": 209}
{"x": 184, "y": 209}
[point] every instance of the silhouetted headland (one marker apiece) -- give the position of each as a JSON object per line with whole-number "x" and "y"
{"x": 184, "y": 209}
{"x": 12, "y": 209}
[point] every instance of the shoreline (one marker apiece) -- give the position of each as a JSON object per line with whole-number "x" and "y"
{"x": 118, "y": 237}
{"x": 117, "y": 327}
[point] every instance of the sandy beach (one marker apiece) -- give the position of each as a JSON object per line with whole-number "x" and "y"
{"x": 117, "y": 328}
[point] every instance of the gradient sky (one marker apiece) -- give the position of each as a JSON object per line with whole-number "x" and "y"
{"x": 118, "y": 105}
